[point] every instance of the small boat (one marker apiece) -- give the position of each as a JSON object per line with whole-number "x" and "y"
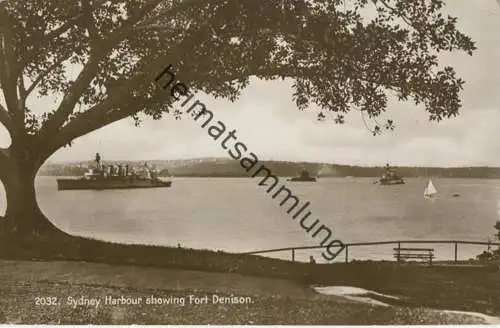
{"x": 304, "y": 176}
{"x": 430, "y": 191}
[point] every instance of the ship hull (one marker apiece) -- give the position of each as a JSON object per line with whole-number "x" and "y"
{"x": 88, "y": 184}
{"x": 302, "y": 179}
{"x": 391, "y": 182}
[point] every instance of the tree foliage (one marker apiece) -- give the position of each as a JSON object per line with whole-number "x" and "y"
{"x": 101, "y": 57}
{"x": 492, "y": 255}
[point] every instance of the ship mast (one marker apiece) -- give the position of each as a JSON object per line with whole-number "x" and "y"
{"x": 98, "y": 160}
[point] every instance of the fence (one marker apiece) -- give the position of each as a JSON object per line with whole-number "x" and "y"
{"x": 397, "y": 243}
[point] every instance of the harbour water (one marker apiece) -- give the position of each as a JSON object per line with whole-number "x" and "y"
{"x": 237, "y": 215}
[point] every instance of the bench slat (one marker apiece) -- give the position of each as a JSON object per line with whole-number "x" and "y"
{"x": 415, "y": 249}
{"x": 414, "y": 256}
{"x": 426, "y": 254}
{"x": 422, "y": 253}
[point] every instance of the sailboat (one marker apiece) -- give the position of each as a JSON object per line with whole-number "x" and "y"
{"x": 430, "y": 191}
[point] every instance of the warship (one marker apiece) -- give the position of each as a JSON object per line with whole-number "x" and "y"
{"x": 390, "y": 178}
{"x": 114, "y": 177}
{"x": 304, "y": 176}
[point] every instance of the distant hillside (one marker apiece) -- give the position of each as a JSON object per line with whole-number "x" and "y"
{"x": 218, "y": 167}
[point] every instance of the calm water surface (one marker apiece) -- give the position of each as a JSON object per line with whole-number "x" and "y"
{"x": 237, "y": 215}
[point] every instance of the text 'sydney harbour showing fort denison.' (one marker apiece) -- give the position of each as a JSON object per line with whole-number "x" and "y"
{"x": 165, "y": 300}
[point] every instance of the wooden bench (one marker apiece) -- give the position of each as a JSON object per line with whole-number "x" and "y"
{"x": 414, "y": 253}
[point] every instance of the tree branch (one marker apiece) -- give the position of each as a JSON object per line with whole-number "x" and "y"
{"x": 89, "y": 21}
{"x": 147, "y": 8}
{"x": 106, "y": 112}
{"x": 21, "y": 89}
{"x": 54, "y": 135}
{"x": 69, "y": 101}
{"x": 54, "y": 34}
{"x": 37, "y": 48}
{"x": 128, "y": 26}
{"x": 395, "y": 12}
{"x": 14, "y": 122}
{"x": 41, "y": 76}
{"x": 5, "y": 119}
{"x": 175, "y": 9}
{"x": 83, "y": 125}
{"x": 7, "y": 61}
{"x": 89, "y": 72}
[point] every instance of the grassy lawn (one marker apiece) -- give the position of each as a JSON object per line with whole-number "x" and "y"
{"x": 273, "y": 301}
{"x": 443, "y": 287}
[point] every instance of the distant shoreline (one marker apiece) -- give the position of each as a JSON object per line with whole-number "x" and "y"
{"x": 284, "y": 176}
{"x": 226, "y": 168}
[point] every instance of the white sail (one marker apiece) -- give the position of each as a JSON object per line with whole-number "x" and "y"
{"x": 430, "y": 191}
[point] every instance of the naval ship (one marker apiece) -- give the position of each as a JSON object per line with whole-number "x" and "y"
{"x": 390, "y": 178}
{"x": 304, "y": 176}
{"x": 114, "y": 177}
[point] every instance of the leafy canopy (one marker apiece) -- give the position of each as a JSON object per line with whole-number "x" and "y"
{"x": 101, "y": 57}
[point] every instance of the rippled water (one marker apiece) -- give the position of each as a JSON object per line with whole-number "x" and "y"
{"x": 237, "y": 215}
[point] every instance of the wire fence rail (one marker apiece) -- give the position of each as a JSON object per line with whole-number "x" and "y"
{"x": 397, "y": 243}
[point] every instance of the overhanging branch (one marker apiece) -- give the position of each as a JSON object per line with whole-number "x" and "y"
{"x": 90, "y": 70}
{"x": 69, "y": 101}
{"x": 86, "y": 124}
{"x": 89, "y": 21}
{"x": 30, "y": 56}
{"x": 116, "y": 107}
{"x": 395, "y": 12}
{"x": 38, "y": 48}
{"x": 41, "y": 76}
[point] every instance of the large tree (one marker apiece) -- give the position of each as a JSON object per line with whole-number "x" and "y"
{"x": 101, "y": 57}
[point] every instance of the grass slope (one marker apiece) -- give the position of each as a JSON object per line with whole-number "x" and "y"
{"x": 454, "y": 288}
{"x": 273, "y": 301}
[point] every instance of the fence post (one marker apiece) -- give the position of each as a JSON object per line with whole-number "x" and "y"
{"x": 398, "y": 258}
{"x": 456, "y": 252}
{"x": 293, "y": 254}
{"x": 346, "y": 254}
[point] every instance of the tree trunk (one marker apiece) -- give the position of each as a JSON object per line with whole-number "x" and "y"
{"x": 23, "y": 215}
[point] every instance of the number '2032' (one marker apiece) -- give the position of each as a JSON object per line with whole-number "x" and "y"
{"x": 45, "y": 300}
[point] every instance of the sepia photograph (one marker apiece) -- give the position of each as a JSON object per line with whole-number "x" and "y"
{"x": 249, "y": 162}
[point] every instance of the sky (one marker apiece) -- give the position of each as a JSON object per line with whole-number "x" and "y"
{"x": 269, "y": 123}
